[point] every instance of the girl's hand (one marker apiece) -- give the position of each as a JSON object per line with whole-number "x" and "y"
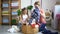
{"x": 24, "y": 22}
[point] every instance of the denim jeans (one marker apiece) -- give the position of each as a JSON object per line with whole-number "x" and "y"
{"x": 19, "y": 26}
{"x": 42, "y": 27}
{"x": 45, "y": 31}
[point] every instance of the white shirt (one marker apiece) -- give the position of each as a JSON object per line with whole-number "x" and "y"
{"x": 25, "y": 17}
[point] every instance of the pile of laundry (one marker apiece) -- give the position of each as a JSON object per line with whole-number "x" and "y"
{"x": 13, "y": 29}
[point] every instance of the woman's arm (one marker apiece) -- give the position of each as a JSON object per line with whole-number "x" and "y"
{"x": 42, "y": 13}
{"x": 43, "y": 18}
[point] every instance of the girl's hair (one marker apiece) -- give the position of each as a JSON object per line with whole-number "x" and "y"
{"x": 24, "y": 9}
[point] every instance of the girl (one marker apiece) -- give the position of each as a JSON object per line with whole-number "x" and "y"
{"x": 24, "y": 16}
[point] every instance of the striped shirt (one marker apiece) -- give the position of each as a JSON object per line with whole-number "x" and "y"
{"x": 36, "y": 14}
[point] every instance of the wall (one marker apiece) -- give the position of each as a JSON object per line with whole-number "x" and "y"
{"x": 48, "y": 4}
{"x": 25, "y": 3}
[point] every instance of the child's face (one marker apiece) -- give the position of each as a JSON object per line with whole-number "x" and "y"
{"x": 25, "y": 11}
{"x": 36, "y": 6}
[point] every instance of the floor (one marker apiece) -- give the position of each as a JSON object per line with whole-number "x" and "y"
{"x": 4, "y": 28}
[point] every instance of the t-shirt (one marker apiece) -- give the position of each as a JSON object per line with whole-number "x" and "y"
{"x": 24, "y": 17}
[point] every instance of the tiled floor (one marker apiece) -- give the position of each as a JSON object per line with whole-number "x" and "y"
{"x": 3, "y": 30}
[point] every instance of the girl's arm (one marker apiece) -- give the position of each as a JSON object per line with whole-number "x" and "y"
{"x": 20, "y": 18}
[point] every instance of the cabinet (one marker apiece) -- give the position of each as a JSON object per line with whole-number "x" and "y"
{"x": 8, "y": 10}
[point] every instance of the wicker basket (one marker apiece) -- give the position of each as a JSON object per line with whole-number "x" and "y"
{"x": 27, "y": 29}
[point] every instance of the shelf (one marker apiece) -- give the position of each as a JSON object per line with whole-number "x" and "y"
{"x": 5, "y": 5}
{"x": 14, "y": 10}
{"x": 8, "y": 10}
{"x": 5, "y": 10}
{"x": 14, "y": 0}
{"x": 5, "y": 0}
{"x": 5, "y": 14}
{"x": 14, "y": 17}
{"x": 14, "y": 13}
{"x": 5, "y": 23}
{"x": 14, "y": 7}
{"x": 14, "y": 4}
{"x": 5, "y": 19}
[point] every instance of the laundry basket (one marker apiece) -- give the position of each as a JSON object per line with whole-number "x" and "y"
{"x": 27, "y": 29}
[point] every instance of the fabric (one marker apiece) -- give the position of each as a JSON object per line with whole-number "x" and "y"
{"x": 49, "y": 32}
{"x": 44, "y": 30}
{"x": 42, "y": 27}
{"x": 13, "y": 29}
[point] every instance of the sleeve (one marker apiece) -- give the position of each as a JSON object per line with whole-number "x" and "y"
{"x": 33, "y": 15}
{"x": 37, "y": 13}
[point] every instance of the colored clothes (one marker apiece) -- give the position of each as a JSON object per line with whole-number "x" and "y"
{"x": 42, "y": 27}
{"x": 45, "y": 31}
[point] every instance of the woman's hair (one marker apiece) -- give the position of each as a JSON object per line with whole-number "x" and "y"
{"x": 36, "y": 3}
